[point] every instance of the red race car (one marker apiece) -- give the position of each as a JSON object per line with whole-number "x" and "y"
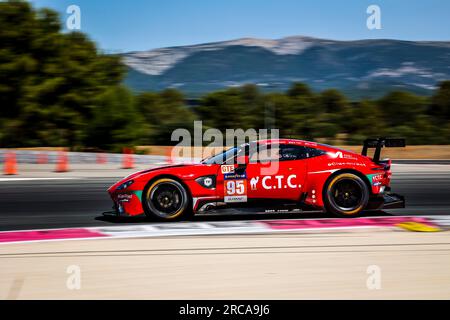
{"x": 281, "y": 175}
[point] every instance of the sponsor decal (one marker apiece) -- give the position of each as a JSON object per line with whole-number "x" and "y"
{"x": 234, "y": 176}
{"x": 297, "y": 210}
{"x": 228, "y": 168}
{"x": 235, "y": 191}
{"x": 208, "y": 182}
{"x": 376, "y": 179}
{"x": 340, "y": 164}
{"x": 124, "y": 197}
{"x": 275, "y": 182}
{"x": 335, "y": 155}
{"x": 235, "y": 199}
{"x": 253, "y": 183}
{"x": 340, "y": 155}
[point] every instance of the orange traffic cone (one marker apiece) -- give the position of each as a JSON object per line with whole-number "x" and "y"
{"x": 10, "y": 164}
{"x": 127, "y": 159}
{"x": 62, "y": 162}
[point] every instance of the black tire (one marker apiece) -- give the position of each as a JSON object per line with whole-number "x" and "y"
{"x": 346, "y": 195}
{"x": 166, "y": 199}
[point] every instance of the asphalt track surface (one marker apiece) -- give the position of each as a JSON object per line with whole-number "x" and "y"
{"x": 45, "y": 204}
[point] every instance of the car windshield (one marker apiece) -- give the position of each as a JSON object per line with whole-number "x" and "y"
{"x": 224, "y": 157}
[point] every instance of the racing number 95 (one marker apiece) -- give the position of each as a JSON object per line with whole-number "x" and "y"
{"x": 235, "y": 187}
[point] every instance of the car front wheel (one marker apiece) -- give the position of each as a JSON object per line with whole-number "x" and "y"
{"x": 166, "y": 199}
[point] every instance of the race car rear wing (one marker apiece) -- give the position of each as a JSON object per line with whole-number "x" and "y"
{"x": 380, "y": 143}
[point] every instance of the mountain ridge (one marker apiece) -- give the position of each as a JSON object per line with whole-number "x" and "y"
{"x": 366, "y": 67}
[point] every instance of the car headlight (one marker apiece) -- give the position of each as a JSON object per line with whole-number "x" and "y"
{"x": 125, "y": 185}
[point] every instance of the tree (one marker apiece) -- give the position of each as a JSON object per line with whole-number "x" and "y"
{"x": 228, "y": 109}
{"x": 115, "y": 122}
{"x": 401, "y": 108}
{"x": 164, "y": 112}
{"x": 332, "y": 101}
{"x": 303, "y": 111}
{"x": 365, "y": 118}
{"x": 48, "y": 79}
{"x": 333, "y": 108}
{"x": 440, "y": 106}
{"x": 299, "y": 89}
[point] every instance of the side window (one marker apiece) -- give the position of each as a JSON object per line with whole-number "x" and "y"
{"x": 265, "y": 154}
{"x": 291, "y": 152}
{"x": 314, "y": 152}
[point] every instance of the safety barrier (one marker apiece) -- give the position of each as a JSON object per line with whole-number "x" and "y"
{"x": 10, "y": 158}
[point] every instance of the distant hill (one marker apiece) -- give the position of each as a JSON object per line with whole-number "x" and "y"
{"x": 363, "y": 68}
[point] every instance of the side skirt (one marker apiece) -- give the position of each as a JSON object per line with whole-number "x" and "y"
{"x": 259, "y": 205}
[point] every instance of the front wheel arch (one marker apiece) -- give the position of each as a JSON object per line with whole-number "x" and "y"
{"x": 189, "y": 211}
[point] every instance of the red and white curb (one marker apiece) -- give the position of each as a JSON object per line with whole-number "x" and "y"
{"x": 216, "y": 228}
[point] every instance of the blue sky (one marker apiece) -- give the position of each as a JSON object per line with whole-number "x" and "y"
{"x": 119, "y": 26}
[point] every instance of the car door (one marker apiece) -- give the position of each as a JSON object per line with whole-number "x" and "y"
{"x": 232, "y": 178}
{"x": 276, "y": 172}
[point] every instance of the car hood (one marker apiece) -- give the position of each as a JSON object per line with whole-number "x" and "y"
{"x": 187, "y": 169}
{"x": 138, "y": 173}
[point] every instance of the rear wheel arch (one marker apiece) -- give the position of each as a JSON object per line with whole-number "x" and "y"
{"x": 355, "y": 172}
{"x": 332, "y": 178}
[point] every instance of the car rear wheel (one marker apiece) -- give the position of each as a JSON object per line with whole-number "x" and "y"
{"x": 346, "y": 195}
{"x": 166, "y": 199}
